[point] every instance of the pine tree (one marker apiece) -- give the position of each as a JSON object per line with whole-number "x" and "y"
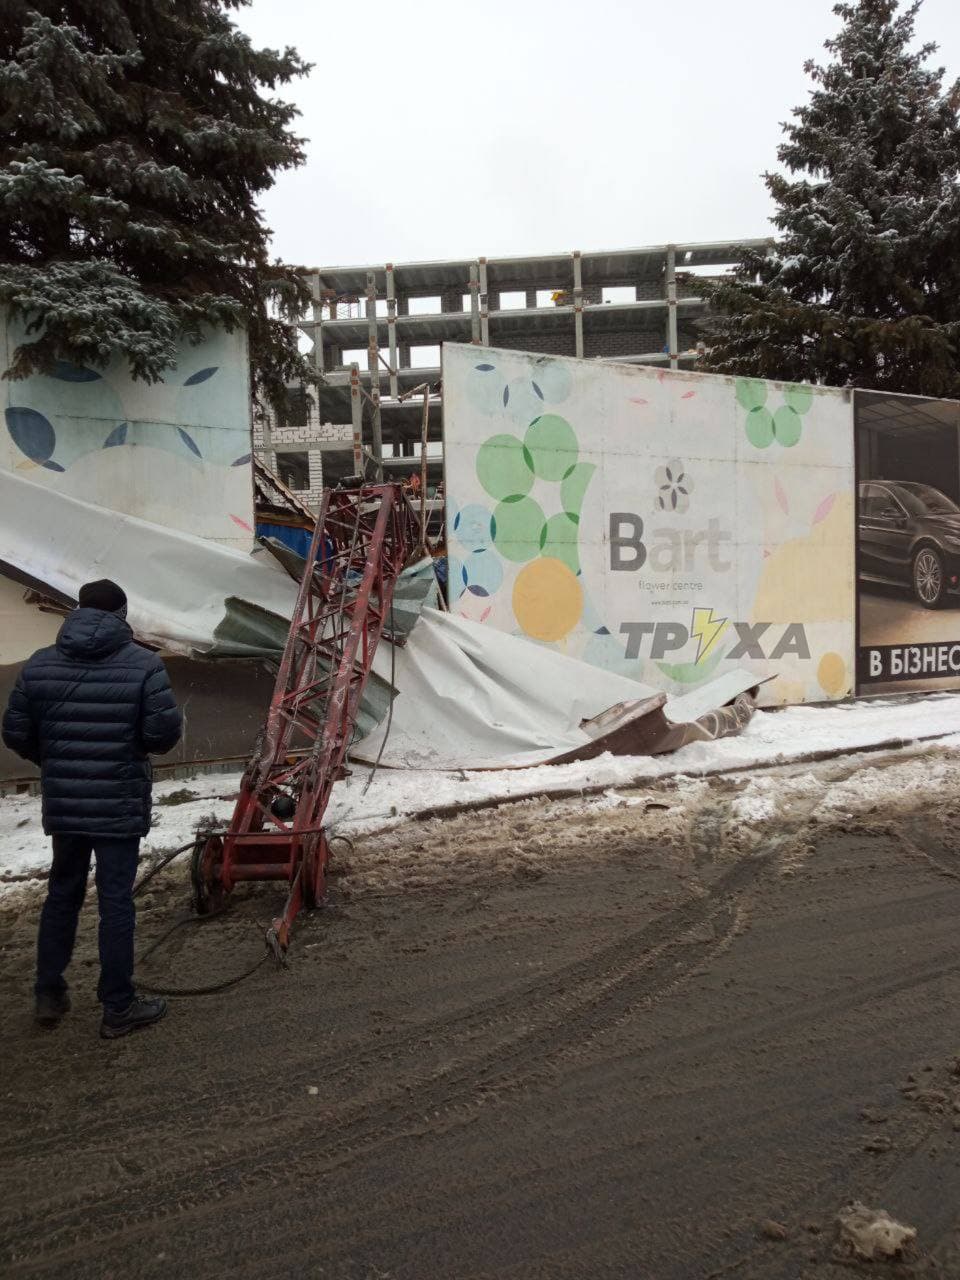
{"x": 135, "y": 139}
{"x": 863, "y": 285}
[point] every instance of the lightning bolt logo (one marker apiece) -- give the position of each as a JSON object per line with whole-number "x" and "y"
{"x": 707, "y": 630}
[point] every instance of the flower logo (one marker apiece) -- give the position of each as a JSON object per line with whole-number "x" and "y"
{"x": 674, "y": 486}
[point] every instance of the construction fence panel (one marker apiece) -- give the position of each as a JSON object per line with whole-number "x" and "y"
{"x": 662, "y": 525}
{"x": 175, "y": 453}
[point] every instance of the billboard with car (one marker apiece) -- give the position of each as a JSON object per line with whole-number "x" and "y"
{"x": 908, "y": 542}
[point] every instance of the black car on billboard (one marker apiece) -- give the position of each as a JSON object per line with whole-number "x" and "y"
{"x": 909, "y": 535}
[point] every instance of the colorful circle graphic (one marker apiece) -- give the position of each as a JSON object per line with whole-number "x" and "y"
{"x": 559, "y": 540}
{"x": 516, "y": 529}
{"x": 482, "y": 573}
{"x": 832, "y": 674}
{"x": 547, "y": 600}
{"x": 550, "y": 446}
{"x": 502, "y": 468}
{"x": 473, "y": 527}
{"x": 799, "y": 396}
{"x": 787, "y": 426}
{"x": 760, "y": 428}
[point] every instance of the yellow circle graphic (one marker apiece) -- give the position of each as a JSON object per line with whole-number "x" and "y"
{"x": 547, "y": 599}
{"x": 832, "y": 674}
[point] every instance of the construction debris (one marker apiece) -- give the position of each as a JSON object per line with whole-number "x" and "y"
{"x": 199, "y": 598}
{"x": 471, "y": 697}
{"x": 871, "y": 1235}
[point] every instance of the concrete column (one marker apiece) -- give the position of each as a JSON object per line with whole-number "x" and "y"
{"x": 531, "y": 299}
{"x": 578, "y": 303}
{"x": 356, "y": 419}
{"x": 475, "y": 304}
{"x": 269, "y": 457}
{"x": 373, "y": 367}
{"x": 317, "y": 354}
{"x": 317, "y": 314}
{"x": 484, "y": 305}
{"x": 392, "y": 330}
{"x": 671, "y": 284}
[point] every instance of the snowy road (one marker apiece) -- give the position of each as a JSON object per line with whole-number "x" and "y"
{"x": 614, "y": 1038}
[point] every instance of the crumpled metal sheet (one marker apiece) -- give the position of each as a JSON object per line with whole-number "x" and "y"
{"x": 643, "y": 728}
{"x": 471, "y": 697}
{"x": 465, "y": 695}
{"x": 178, "y": 586}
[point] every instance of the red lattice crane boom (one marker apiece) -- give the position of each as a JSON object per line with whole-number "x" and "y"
{"x": 362, "y": 540}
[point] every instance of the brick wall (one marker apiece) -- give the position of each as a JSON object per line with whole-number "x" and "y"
{"x": 624, "y": 342}
{"x": 617, "y": 342}
{"x": 313, "y": 433}
{"x": 542, "y": 344}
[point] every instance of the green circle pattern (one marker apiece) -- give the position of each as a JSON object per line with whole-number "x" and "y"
{"x": 799, "y": 396}
{"x": 573, "y": 487}
{"x": 550, "y": 446}
{"x": 517, "y": 525}
{"x": 507, "y": 468}
{"x": 559, "y": 540}
{"x": 760, "y": 429}
{"x": 751, "y": 393}
{"x": 502, "y": 468}
{"x": 787, "y": 426}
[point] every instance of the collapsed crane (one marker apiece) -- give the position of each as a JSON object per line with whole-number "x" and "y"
{"x": 361, "y": 542}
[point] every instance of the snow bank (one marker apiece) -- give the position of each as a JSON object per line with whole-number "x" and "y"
{"x": 770, "y": 738}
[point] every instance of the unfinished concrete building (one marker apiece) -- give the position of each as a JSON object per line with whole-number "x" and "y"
{"x": 377, "y": 333}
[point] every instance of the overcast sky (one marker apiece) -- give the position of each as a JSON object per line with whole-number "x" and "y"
{"x": 441, "y": 129}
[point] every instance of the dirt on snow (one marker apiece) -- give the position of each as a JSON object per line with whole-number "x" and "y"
{"x": 667, "y": 1036}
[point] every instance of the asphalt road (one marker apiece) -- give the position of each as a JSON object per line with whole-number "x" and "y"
{"x": 542, "y": 1042}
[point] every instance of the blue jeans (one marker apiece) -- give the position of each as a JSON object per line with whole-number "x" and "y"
{"x": 115, "y": 873}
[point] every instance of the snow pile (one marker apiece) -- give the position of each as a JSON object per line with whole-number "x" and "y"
{"x": 870, "y": 1235}
{"x": 753, "y": 805}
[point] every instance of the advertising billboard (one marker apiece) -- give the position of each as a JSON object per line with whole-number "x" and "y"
{"x": 908, "y": 543}
{"x": 174, "y": 452}
{"x": 664, "y": 525}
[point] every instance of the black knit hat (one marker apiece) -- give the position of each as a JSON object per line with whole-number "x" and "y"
{"x": 103, "y": 594}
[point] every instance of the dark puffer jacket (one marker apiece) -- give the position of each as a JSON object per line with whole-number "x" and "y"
{"x": 87, "y": 711}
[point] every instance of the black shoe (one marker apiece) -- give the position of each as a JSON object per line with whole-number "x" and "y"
{"x": 50, "y": 1008}
{"x": 141, "y": 1012}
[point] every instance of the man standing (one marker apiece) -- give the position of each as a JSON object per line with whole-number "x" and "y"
{"x": 88, "y": 710}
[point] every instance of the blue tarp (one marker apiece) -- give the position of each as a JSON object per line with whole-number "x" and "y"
{"x": 297, "y": 540}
